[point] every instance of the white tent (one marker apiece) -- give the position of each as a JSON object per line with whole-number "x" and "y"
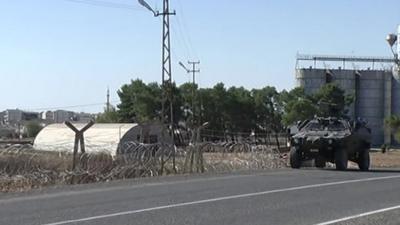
{"x": 98, "y": 138}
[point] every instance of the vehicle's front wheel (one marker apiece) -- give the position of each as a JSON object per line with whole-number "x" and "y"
{"x": 364, "y": 160}
{"x": 295, "y": 158}
{"x": 341, "y": 159}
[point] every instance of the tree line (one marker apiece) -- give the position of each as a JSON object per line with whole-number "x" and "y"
{"x": 228, "y": 109}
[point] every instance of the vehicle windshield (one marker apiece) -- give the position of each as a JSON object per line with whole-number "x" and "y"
{"x": 335, "y": 126}
{"x": 314, "y": 125}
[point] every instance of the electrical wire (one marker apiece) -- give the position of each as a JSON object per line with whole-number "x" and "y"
{"x": 181, "y": 38}
{"x": 185, "y": 28}
{"x": 102, "y": 3}
{"x": 71, "y": 106}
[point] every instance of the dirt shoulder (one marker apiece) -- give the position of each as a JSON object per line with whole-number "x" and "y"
{"x": 390, "y": 159}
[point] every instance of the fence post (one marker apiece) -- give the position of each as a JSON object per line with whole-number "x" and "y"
{"x": 79, "y": 139}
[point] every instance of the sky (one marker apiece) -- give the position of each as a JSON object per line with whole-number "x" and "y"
{"x": 63, "y": 53}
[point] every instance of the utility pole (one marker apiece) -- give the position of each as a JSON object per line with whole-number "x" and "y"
{"x": 193, "y": 71}
{"x": 167, "y": 96}
{"x": 167, "y": 113}
{"x": 167, "y": 100}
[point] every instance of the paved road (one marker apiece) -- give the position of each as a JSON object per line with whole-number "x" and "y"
{"x": 262, "y": 197}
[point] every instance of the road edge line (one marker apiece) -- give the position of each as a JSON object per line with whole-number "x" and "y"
{"x": 359, "y": 215}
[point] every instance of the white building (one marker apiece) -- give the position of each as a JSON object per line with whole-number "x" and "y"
{"x": 60, "y": 116}
{"x": 47, "y": 116}
{"x": 84, "y": 117}
{"x": 12, "y": 116}
{"x": 2, "y": 114}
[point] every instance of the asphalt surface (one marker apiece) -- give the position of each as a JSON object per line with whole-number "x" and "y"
{"x": 260, "y": 197}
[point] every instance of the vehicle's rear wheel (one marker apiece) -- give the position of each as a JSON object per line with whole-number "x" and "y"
{"x": 341, "y": 159}
{"x": 320, "y": 162}
{"x": 295, "y": 158}
{"x": 364, "y": 160}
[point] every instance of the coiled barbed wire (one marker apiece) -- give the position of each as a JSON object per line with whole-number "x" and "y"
{"x": 22, "y": 167}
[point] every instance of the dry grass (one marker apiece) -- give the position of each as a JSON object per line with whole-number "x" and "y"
{"x": 21, "y": 170}
{"x": 390, "y": 159}
{"x": 30, "y": 169}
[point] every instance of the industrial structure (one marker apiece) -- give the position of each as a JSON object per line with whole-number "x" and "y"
{"x": 373, "y": 81}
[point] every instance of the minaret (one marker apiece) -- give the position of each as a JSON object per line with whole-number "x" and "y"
{"x": 108, "y": 100}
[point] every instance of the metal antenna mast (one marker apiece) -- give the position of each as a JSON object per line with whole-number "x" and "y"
{"x": 167, "y": 101}
{"x": 167, "y": 88}
{"x": 167, "y": 113}
{"x": 108, "y": 100}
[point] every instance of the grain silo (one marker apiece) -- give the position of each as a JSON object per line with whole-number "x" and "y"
{"x": 375, "y": 87}
{"x": 311, "y": 79}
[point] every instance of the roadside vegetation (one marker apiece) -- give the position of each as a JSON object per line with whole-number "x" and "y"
{"x": 233, "y": 109}
{"x": 33, "y": 128}
{"x": 394, "y": 123}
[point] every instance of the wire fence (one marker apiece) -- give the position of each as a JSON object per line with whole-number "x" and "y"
{"x": 23, "y": 168}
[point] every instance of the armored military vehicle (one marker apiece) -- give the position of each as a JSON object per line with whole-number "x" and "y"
{"x": 330, "y": 140}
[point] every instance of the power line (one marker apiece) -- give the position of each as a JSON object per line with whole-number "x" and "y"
{"x": 181, "y": 43}
{"x": 182, "y": 39}
{"x": 107, "y": 4}
{"x": 183, "y": 34}
{"x": 185, "y": 28}
{"x": 71, "y": 106}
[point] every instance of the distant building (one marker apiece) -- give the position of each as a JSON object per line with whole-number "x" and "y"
{"x": 28, "y": 116}
{"x": 16, "y": 116}
{"x": 47, "y": 116}
{"x": 84, "y": 117}
{"x": 2, "y": 114}
{"x": 12, "y": 116}
{"x": 60, "y": 116}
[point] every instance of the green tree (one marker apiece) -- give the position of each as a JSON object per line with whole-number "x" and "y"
{"x": 111, "y": 116}
{"x": 268, "y": 114}
{"x": 296, "y": 105}
{"x": 232, "y": 110}
{"x": 139, "y": 102}
{"x": 394, "y": 123}
{"x": 329, "y": 101}
{"x": 332, "y": 101}
{"x": 142, "y": 102}
{"x": 239, "y": 110}
{"x": 213, "y": 107}
{"x": 33, "y": 128}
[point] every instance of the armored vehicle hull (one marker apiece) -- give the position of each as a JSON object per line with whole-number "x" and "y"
{"x": 330, "y": 140}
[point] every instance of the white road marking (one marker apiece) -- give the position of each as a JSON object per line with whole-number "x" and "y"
{"x": 360, "y": 215}
{"x": 220, "y": 199}
{"x": 135, "y": 186}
